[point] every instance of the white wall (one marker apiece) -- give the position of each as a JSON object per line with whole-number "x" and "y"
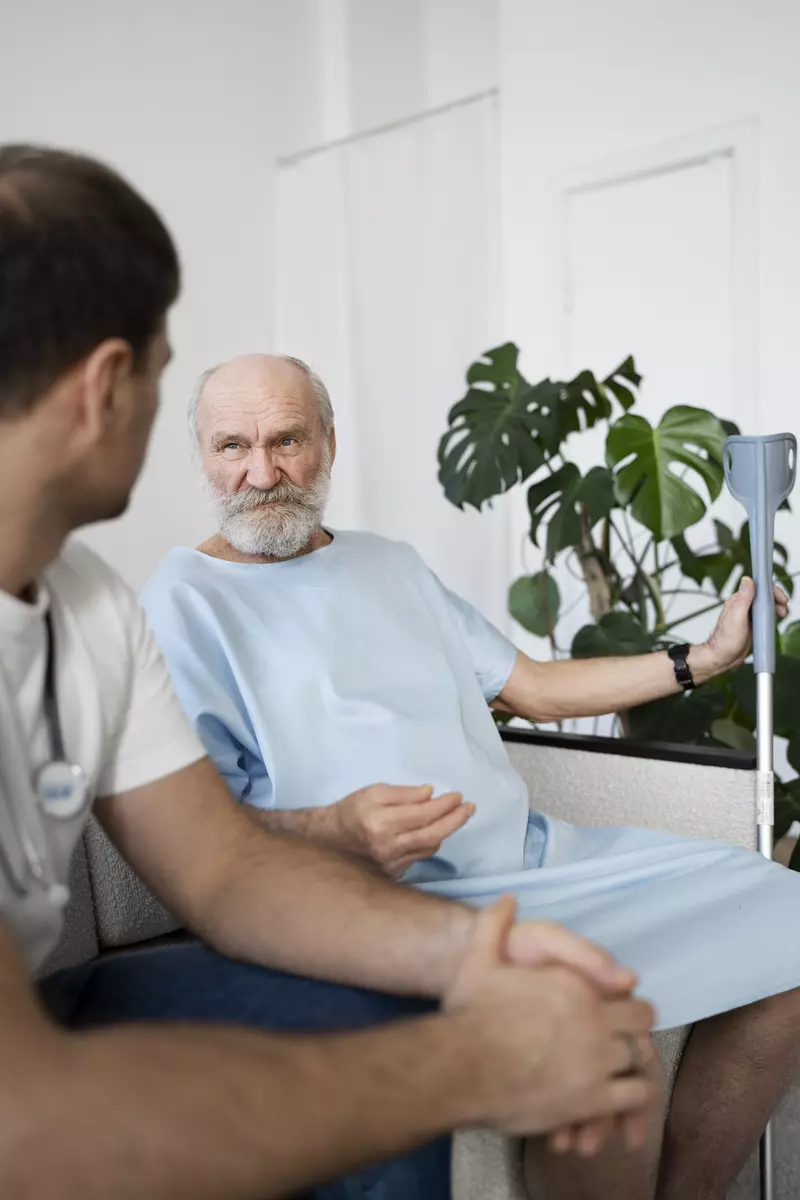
{"x": 193, "y": 101}
{"x": 387, "y": 254}
{"x": 587, "y": 83}
{"x": 386, "y": 282}
{"x": 460, "y": 48}
{"x": 409, "y": 55}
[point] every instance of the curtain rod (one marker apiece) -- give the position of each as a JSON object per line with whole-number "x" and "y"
{"x": 290, "y": 160}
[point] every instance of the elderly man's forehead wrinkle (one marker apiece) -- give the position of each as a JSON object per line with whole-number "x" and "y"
{"x": 258, "y": 416}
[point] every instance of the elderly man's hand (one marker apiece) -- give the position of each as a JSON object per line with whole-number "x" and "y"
{"x": 729, "y": 644}
{"x": 543, "y": 943}
{"x": 396, "y": 826}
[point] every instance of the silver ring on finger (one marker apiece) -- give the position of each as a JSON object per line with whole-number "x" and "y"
{"x": 636, "y": 1064}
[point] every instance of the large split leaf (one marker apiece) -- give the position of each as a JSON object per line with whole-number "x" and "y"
{"x": 733, "y": 556}
{"x": 534, "y": 601}
{"x": 692, "y": 565}
{"x": 492, "y": 442}
{"x": 644, "y": 458}
{"x": 583, "y": 401}
{"x": 559, "y": 499}
{"x": 716, "y": 567}
{"x": 503, "y": 429}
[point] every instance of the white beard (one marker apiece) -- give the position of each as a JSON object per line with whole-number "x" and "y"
{"x": 278, "y": 523}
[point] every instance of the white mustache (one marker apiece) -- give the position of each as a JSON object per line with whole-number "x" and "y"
{"x": 283, "y": 493}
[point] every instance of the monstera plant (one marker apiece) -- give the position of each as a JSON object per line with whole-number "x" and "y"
{"x": 623, "y": 524}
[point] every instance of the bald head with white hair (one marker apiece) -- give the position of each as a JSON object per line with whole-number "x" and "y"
{"x": 263, "y": 426}
{"x": 314, "y": 381}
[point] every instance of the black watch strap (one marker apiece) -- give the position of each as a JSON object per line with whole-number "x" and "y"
{"x": 680, "y": 663}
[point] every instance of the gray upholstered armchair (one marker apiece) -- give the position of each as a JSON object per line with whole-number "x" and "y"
{"x": 590, "y": 781}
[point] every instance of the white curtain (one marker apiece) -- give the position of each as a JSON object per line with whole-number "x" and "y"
{"x": 387, "y": 252}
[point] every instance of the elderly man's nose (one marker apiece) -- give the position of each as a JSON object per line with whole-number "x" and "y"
{"x": 260, "y": 471}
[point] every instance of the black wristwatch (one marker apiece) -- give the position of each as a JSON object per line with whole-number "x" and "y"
{"x": 680, "y": 663}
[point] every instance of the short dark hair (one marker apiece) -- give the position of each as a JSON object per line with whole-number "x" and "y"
{"x": 83, "y": 257}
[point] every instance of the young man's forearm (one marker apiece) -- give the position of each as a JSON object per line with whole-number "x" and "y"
{"x": 283, "y": 902}
{"x": 300, "y": 908}
{"x": 318, "y": 824}
{"x": 554, "y": 691}
{"x": 146, "y": 1114}
{"x": 280, "y": 900}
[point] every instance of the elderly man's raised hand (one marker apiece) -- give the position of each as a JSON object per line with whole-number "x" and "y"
{"x": 730, "y": 642}
{"x": 397, "y": 826}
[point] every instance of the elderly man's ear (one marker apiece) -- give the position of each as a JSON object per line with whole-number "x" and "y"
{"x": 332, "y": 444}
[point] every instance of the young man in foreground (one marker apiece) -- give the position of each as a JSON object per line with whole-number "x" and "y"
{"x": 538, "y": 1029}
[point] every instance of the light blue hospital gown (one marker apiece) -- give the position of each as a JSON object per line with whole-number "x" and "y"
{"x": 310, "y": 678}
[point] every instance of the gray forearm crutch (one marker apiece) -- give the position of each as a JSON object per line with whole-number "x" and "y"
{"x": 760, "y": 473}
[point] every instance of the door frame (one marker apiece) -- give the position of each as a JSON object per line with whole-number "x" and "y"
{"x": 739, "y": 143}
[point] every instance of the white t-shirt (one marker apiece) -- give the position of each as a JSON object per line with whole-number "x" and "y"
{"x": 119, "y": 717}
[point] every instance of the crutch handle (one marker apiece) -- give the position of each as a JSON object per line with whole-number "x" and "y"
{"x": 760, "y": 473}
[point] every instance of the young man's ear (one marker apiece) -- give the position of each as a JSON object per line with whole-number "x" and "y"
{"x": 105, "y": 378}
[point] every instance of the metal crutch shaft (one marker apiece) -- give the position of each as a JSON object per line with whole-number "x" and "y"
{"x": 760, "y": 473}
{"x": 766, "y": 786}
{"x": 765, "y": 777}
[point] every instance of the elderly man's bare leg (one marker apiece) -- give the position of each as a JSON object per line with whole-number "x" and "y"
{"x": 612, "y": 1172}
{"x": 735, "y": 1069}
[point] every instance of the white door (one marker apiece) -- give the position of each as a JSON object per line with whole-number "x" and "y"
{"x": 649, "y": 271}
{"x": 388, "y": 286}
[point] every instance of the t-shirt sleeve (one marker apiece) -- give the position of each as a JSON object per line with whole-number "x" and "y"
{"x": 493, "y": 655}
{"x": 154, "y": 738}
{"x": 205, "y": 687}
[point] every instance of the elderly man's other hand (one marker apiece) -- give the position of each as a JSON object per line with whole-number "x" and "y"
{"x": 561, "y": 1050}
{"x": 397, "y": 826}
{"x": 729, "y": 644}
{"x": 544, "y": 943}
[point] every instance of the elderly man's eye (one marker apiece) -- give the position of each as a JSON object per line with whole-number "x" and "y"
{"x": 288, "y": 441}
{"x": 232, "y": 446}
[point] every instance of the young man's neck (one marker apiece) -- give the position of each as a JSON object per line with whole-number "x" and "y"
{"x": 29, "y": 542}
{"x": 218, "y": 547}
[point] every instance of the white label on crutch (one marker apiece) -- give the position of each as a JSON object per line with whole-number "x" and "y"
{"x": 766, "y": 798}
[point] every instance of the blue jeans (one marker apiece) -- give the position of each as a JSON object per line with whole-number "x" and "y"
{"x": 189, "y": 982}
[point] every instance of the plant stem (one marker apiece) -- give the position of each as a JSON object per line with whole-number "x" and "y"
{"x": 650, "y": 541}
{"x": 629, "y": 531}
{"x": 551, "y": 633}
{"x": 597, "y": 582}
{"x": 629, "y": 550}
{"x": 658, "y": 601}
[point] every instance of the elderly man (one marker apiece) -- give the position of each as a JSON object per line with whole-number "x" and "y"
{"x": 312, "y": 661}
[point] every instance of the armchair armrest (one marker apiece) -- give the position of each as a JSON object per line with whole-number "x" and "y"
{"x": 698, "y": 791}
